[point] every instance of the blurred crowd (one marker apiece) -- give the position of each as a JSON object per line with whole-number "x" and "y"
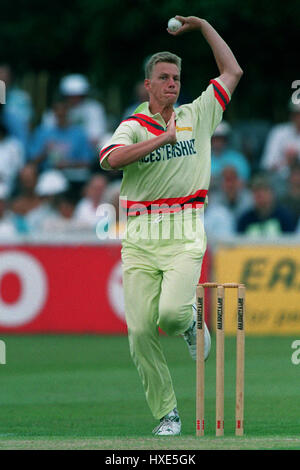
{"x": 50, "y": 178}
{"x": 260, "y": 198}
{"x": 51, "y": 181}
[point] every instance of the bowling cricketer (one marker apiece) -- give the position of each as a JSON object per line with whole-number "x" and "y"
{"x": 164, "y": 153}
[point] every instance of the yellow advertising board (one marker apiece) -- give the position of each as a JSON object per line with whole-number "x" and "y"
{"x": 271, "y": 275}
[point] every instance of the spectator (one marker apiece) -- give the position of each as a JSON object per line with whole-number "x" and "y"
{"x": 141, "y": 95}
{"x": 83, "y": 111}
{"x": 250, "y": 136}
{"x": 7, "y": 227}
{"x": 63, "y": 146}
{"x": 267, "y": 218}
{"x": 11, "y": 159}
{"x": 222, "y": 155}
{"x": 25, "y": 198}
{"x": 85, "y": 211}
{"x": 62, "y": 219}
{"x": 232, "y": 193}
{"x": 282, "y": 148}
{"x": 18, "y": 109}
{"x": 291, "y": 199}
{"x": 49, "y": 184}
{"x": 219, "y": 222}
{"x": 25, "y": 187}
{"x": 19, "y": 212}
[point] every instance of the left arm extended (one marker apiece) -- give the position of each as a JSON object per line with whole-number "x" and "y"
{"x": 230, "y": 71}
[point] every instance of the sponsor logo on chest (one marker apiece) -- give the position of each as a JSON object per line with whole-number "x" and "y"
{"x": 182, "y": 148}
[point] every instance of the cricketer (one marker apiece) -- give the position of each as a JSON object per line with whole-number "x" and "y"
{"x": 164, "y": 153}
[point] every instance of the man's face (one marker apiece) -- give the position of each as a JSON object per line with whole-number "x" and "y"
{"x": 296, "y": 120}
{"x": 295, "y": 179}
{"x": 5, "y": 75}
{"x": 28, "y": 177}
{"x": 61, "y": 112}
{"x": 66, "y": 209}
{"x": 230, "y": 181}
{"x": 218, "y": 143}
{"x": 263, "y": 198}
{"x": 74, "y": 100}
{"x": 164, "y": 84}
{"x": 96, "y": 188}
{"x": 2, "y": 208}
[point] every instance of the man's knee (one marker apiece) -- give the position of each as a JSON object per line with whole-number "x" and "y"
{"x": 169, "y": 319}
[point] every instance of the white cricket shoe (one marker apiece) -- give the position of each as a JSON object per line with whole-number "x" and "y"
{"x": 191, "y": 334}
{"x": 170, "y": 425}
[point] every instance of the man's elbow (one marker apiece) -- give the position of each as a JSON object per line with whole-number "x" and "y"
{"x": 236, "y": 75}
{"x": 113, "y": 162}
{"x": 233, "y": 72}
{"x": 238, "y": 72}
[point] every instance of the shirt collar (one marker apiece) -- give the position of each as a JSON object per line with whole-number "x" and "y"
{"x": 144, "y": 109}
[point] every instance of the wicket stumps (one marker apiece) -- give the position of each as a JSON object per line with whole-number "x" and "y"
{"x": 240, "y": 358}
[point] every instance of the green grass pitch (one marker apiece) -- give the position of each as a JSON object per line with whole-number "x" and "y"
{"x": 83, "y": 392}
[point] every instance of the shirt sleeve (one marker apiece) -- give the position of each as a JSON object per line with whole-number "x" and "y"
{"x": 211, "y": 104}
{"x": 124, "y": 135}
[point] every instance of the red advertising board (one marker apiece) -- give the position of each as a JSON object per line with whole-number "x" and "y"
{"x": 63, "y": 289}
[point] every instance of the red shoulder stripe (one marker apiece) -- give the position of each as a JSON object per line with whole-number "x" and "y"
{"x": 107, "y": 149}
{"x": 220, "y": 94}
{"x": 150, "y": 124}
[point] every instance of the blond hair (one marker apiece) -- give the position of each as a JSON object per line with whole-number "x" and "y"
{"x": 161, "y": 57}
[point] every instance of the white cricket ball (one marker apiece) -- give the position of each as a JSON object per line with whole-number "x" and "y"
{"x": 174, "y": 25}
